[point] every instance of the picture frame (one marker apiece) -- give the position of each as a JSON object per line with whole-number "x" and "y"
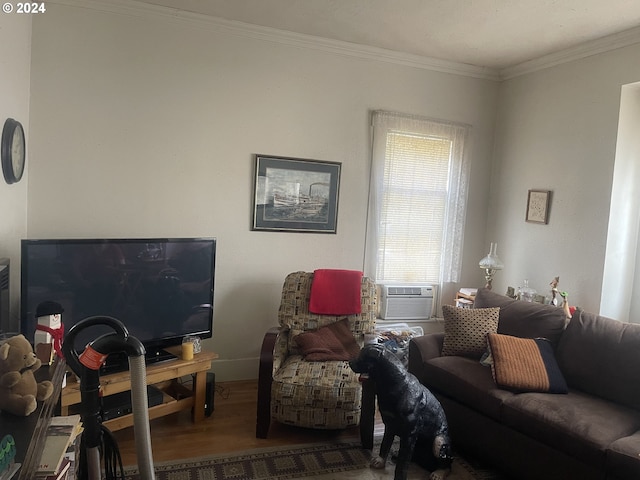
{"x": 295, "y": 195}
{"x": 538, "y": 206}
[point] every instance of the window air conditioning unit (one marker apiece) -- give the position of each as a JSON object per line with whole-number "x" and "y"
{"x": 406, "y": 302}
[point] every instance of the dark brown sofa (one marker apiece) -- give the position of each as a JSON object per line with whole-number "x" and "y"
{"x": 593, "y": 432}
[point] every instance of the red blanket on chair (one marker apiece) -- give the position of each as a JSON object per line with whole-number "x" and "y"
{"x": 336, "y": 292}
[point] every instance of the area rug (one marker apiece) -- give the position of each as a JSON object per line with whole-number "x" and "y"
{"x": 326, "y": 461}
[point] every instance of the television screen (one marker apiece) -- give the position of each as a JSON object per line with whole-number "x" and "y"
{"x": 160, "y": 289}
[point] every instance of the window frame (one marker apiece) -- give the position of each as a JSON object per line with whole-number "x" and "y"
{"x": 382, "y": 124}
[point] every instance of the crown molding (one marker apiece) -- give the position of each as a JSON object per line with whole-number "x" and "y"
{"x": 584, "y": 50}
{"x": 139, "y": 9}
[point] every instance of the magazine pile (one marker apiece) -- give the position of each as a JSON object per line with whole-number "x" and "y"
{"x": 59, "y": 452}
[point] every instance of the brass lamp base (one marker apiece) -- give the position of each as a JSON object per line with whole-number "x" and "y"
{"x": 488, "y": 276}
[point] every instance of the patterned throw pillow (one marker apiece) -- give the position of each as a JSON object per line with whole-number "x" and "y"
{"x": 525, "y": 364}
{"x": 466, "y": 329}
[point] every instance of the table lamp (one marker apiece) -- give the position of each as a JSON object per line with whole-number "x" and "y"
{"x": 491, "y": 264}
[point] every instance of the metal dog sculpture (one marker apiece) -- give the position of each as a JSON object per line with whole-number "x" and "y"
{"x": 410, "y": 411}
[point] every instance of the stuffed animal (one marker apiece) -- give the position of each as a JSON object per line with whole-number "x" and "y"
{"x": 19, "y": 390}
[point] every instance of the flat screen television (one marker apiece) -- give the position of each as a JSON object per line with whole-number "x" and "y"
{"x": 161, "y": 289}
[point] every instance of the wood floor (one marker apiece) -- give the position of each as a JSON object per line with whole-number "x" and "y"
{"x": 231, "y": 427}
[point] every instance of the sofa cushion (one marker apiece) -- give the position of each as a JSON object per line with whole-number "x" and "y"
{"x": 525, "y": 364}
{"x": 465, "y": 330}
{"x": 579, "y": 424}
{"x": 468, "y": 382}
{"x": 524, "y": 319}
{"x": 623, "y": 457}
{"x": 316, "y": 394}
{"x": 601, "y": 356}
{"x": 317, "y": 383}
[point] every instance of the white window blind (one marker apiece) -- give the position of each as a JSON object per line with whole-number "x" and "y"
{"x": 419, "y": 182}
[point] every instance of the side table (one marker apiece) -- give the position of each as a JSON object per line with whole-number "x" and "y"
{"x": 163, "y": 375}
{"x": 464, "y": 301}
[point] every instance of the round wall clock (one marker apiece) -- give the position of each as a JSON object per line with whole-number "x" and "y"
{"x": 12, "y": 151}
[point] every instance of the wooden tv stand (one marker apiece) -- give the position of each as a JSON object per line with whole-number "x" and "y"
{"x": 164, "y": 375}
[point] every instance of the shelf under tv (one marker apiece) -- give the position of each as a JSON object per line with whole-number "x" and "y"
{"x": 163, "y": 375}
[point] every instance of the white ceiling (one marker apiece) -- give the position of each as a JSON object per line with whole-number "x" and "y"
{"x": 486, "y": 33}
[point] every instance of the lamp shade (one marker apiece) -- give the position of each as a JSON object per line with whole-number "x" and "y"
{"x": 491, "y": 261}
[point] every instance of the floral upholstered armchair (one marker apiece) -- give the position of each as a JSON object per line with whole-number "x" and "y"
{"x": 323, "y": 394}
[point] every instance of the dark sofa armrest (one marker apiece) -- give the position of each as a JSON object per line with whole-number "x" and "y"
{"x": 422, "y": 349}
{"x": 426, "y": 347}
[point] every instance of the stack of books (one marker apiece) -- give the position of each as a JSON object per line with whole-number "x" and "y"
{"x": 465, "y": 297}
{"x": 470, "y": 292}
{"x": 58, "y": 452}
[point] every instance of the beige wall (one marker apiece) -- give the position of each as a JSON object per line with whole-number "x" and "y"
{"x": 557, "y": 131}
{"x": 143, "y": 125}
{"x": 15, "y": 54}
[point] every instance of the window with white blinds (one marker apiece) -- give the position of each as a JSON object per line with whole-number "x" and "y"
{"x": 417, "y": 208}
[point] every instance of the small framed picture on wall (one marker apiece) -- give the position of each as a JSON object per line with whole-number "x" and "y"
{"x": 538, "y": 206}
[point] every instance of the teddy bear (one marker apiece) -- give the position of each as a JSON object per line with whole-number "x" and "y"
{"x": 19, "y": 390}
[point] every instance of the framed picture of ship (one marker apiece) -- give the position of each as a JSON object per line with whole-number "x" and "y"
{"x": 295, "y": 195}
